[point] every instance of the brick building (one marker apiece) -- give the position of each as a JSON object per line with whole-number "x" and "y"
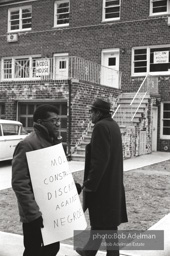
{"x": 76, "y": 45}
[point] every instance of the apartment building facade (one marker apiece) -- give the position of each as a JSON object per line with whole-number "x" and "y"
{"x": 41, "y": 40}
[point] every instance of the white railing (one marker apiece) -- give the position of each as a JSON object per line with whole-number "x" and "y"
{"x": 144, "y": 95}
{"x": 89, "y": 71}
{"x": 149, "y": 84}
{"x": 58, "y": 68}
{"x": 140, "y": 95}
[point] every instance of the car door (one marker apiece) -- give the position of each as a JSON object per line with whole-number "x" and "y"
{"x": 10, "y": 136}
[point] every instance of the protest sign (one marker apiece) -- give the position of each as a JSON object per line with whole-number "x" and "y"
{"x": 55, "y": 193}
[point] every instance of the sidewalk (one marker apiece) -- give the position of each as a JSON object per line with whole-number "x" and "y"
{"x": 129, "y": 164}
{"x": 12, "y": 244}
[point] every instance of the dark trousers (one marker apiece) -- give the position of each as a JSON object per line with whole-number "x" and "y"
{"x": 34, "y": 244}
{"x": 93, "y": 246}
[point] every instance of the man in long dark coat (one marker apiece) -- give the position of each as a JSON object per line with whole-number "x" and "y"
{"x": 103, "y": 194}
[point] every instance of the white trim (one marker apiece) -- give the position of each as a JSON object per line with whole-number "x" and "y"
{"x": 103, "y": 13}
{"x": 148, "y": 48}
{"x": 158, "y": 13}
{"x": 13, "y": 58}
{"x": 166, "y": 137}
{"x": 111, "y": 50}
{"x": 20, "y": 8}
{"x": 60, "y": 54}
{"x": 55, "y": 14}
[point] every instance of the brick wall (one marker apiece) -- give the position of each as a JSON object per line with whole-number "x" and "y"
{"x": 87, "y": 36}
{"x": 82, "y": 95}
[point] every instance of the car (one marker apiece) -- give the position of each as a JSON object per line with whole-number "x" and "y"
{"x": 11, "y": 133}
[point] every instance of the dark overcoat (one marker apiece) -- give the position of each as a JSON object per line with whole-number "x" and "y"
{"x": 104, "y": 192}
{"x": 21, "y": 180}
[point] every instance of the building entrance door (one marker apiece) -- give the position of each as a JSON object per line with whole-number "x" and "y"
{"x": 154, "y": 128}
{"x": 61, "y": 67}
{"x": 110, "y": 68}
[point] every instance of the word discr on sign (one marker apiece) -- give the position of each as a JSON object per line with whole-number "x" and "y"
{"x": 55, "y": 193}
{"x": 42, "y": 67}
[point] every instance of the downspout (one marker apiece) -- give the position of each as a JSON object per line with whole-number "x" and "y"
{"x": 69, "y": 121}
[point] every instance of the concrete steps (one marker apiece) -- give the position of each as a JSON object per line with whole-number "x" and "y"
{"x": 126, "y": 111}
{"x": 123, "y": 118}
{"x": 79, "y": 155}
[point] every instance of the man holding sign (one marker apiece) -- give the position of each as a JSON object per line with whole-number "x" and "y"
{"x": 45, "y": 134}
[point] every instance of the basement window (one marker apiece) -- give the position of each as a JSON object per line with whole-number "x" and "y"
{"x": 165, "y": 120}
{"x": 111, "y": 10}
{"x": 2, "y": 110}
{"x": 159, "y": 7}
{"x": 20, "y": 19}
{"x": 61, "y": 13}
{"x": 151, "y": 60}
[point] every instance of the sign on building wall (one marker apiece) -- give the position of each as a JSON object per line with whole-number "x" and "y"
{"x": 55, "y": 193}
{"x": 161, "y": 57}
{"x": 42, "y": 67}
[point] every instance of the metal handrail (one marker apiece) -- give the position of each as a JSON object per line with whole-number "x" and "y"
{"x": 116, "y": 110}
{"x": 139, "y": 89}
{"x": 137, "y": 93}
{"x": 138, "y": 106}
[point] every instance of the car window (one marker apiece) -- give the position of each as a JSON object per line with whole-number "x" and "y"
{"x": 23, "y": 131}
{"x": 10, "y": 129}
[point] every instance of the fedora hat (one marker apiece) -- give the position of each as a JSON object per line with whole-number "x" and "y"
{"x": 101, "y": 105}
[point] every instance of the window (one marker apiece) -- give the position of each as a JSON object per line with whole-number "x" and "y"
{"x": 155, "y": 61}
{"x": 159, "y": 7}
{"x": 2, "y": 110}
{"x": 165, "y": 120}
{"x": 19, "y": 68}
{"x": 61, "y": 13}
{"x": 111, "y": 10}
{"x": 20, "y": 19}
{"x": 10, "y": 129}
{"x": 25, "y": 116}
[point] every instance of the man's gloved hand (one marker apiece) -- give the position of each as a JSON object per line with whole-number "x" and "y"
{"x": 79, "y": 188}
{"x": 38, "y": 222}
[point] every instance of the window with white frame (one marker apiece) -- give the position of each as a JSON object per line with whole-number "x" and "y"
{"x": 111, "y": 9}
{"x": 61, "y": 13}
{"x": 159, "y": 7}
{"x": 20, "y": 19}
{"x": 151, "y": 60}
{"x": 165, "y": 120}
{"x": 19, "y": 68}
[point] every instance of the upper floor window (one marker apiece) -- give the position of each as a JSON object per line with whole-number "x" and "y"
{"x": 111, "y": 9}
{"x": 61, "y": 13}
{"x": 19, "y": 68}
{"x": 20, "y": 19}
{"x": 159, "y": 7}
{"x": 152, "y": 60}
